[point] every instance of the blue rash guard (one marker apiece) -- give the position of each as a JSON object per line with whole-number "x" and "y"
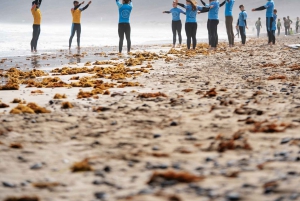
{"x": 270, "y": 5}
{"x": 274, "y": 27}
{"x": 176, "y": 13}
{"x": 242, "y": 19}
{"x": 213, "y": 13}
{"x": 124, "y": 11}
{"x": 228, "y": 7}
{"x": 191, "y": 14}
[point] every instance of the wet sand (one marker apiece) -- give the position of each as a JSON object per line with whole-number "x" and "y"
{"x": 200, "y": 126}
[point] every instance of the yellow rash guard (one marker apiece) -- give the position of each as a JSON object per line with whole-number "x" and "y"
{"x": 37, "y": 16}
{"x": 76, "y": 15}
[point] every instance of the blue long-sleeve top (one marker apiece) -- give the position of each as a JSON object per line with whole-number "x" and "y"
{"x": 124, "y": 11}
{"x": 175, "y": 13}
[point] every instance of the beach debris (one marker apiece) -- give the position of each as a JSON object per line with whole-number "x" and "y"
{"x": 8, "y": 184}
{"x": 152, "y": 95}
{"x": 270, "y": 127}
{"x": 16, "y": 146}
{"x": 3, "y": 105}
{"x": 46, "y": 185}
{"x": 37, "y": 92}
{"x": 82, "y": 166}
{"x": 211, "y": 93}
{"x": 23, "y": 198}
{"x": 16, "y": 100}
{"x": 175, "y": 176}
{"x": 60, "y": 96}
{"x": 66, "y": 105}
{"x": 30, "y": 108}
{"x": 277, "y": 77}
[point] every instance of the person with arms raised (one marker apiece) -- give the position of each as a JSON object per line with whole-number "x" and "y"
{"x": 176, "y": 22}
{"x": 76, "y": 25}
{"x": 37, "y": 18}
{"x": 269, "y": 7}
{"x": 125, "y": 9}
{"x": 191, "y": 21}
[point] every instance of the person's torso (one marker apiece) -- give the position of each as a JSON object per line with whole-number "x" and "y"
{"x": 191, "y": 14}
{"x": 242, "y": 18}
{"x": 37, "y": 16}
{"x": 76, "y": 14}
{"x": 274, "y": 22}
{"x": 175, "y": 14}
{"x": 287, "y": 23}
{"x": 213, "y": 13}
{"x": 270, "y": 8}
{"x": 229, "y": 7}
{"x": 278, "y": 24}
{"x": 124, "y": 13}
{"x": 297, "y": 23}
{"x": 258, "y": 24}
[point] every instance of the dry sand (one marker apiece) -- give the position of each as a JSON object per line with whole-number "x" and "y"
{"x": 225, "y": 127}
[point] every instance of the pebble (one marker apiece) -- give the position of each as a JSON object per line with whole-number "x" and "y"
{"x": 233, "y": 196}
{"x": 8, "y": 185}
{"x": 145, "y": 191}
{"x": 156, "y": 136}
{"x": 36, "y": 166}
{"x": 155, "y": 148}
{"x": 174, "y": 123}
{"x": 294, "y": 196}
{"x": 283, "y": 90}
{"x": 100, "y": 195}
{"x": 107, "y": 169}
{"x": 285, "y": 140}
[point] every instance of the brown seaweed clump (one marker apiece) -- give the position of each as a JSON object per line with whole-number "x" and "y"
{"x": 16, "y": 100}
{"x": 16, "y": 146}
{"x": 82, "y": 166}
{"x": 266, "y": 127}
{"x": 30, "y": 108}
{"x": 59, "y": 96}
{"x": 277, "y": 77}
{"x": 152, "y": 95}
{"x": 23, "y": 198}
{"x": 46, "y": 185}
{"x": 181, "y": 177}
{"x": 3, "y": 105}
{"x": 211, "y": 93}
{"x": 66, "y": 105}
{"x": 37, "y": 92}
{"x": 10, "y": 86}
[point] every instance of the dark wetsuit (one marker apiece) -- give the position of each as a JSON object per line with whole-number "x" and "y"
{"x": 76, "y": 25}
{"x": 36, "y": 24}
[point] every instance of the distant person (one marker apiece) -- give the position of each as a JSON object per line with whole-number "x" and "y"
{"x": 269, "y": 17}
{"x": 242, "y": 23}
{"x": 297, "y": 25}
{"x": 37, "y": 18}
{"x": 289, "y": 22}
{"x": 176, "y": 23}
{"x": 286, "y": 26}
{"x": 191, "y": 21}
{"x": 125, "y": 9}
{"x": 258, "y": 26}
{"x": 278, "y": 27}
{"x": 76, "y": 23}
{"x": 274, "y": 27}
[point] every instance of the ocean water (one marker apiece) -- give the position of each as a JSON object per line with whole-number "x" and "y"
{"x": 15, "y": 38}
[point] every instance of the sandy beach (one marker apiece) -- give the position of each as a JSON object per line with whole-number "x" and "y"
{"x": 156, "y": 125}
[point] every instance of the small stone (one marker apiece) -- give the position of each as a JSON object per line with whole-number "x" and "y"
{"x": 107, "y": 169}
{"x": 36, "y": 166}
{"x": 155, "y": 148}
{"x": 145, "y": 191}
{"x": 209, "y": 159}
{"x": 233, "y": 196}
{"x": 285, "y": 140}
{"x": 113, "y": 123}
{"x": 294, "y": 196}
{"x": 33, "y": 121}
{"x": 173, "y": 123}
{"x": 156, "y": 136}
{"x": 283, "y": 90}
{"x": 100, "y": 195}
{"x": 280, "y": 198}
{"x": 8, "y": 185}
{"x": 99, "y": 173}
{"x": 51, "y": 102}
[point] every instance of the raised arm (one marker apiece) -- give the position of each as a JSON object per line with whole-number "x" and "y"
{"x": 40, "y": 3}
{"x": 181, "y": 5}
{"x": 203, "y": 3}
{"x": 85, "y": 7}
{"x": 223, "y": 3}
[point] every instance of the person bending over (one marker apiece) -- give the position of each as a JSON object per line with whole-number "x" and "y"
{"x": 37, "y": 18}
{"x": 269, "y": 6}
{"x": 125, "y": 9}
{"x": 176, "y": 22}
{"x": 76, "y": 25}
{"x": 242, "y": 23}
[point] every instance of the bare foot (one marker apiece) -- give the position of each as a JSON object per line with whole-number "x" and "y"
{"x": 173, "y": 46}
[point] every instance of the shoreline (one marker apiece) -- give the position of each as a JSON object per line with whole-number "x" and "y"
{"x": 200, "y": 125}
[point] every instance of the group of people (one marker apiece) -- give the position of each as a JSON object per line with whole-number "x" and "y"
{"x": 125, "y": 9}
{"x": 191, "y": 11}
{"x": 287, "y": 25}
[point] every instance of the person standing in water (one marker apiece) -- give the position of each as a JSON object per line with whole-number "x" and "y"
{"x": 274, "y": 26}
{"x": 125, "y": 9}
{"x": 76, "y": 25}
{"x": 278, "y": 27}
{"x": 258, "y": 26}
{"x": 297, "y": 24}
{"x": 191, "y": 21}
{"x": 37, "y": 18}
{"x": 242, "y": 23}
{"x": 269, "y": 17}
{"x": 176, "y": 22}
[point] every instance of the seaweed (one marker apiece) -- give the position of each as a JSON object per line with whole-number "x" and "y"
{"x": 3, "y": 105}
{"x": 46, "y": 185}
{"x": 60, "y": 96}
{"x": 82, "y": 166}
{"x": 16, "y": 146}
{"x": 152, "y": 95}
{"x": 23, "y": 198}
{"x": 66, "y": 105}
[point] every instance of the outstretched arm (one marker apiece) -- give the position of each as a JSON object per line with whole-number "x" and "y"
{"x": 203, "y": 9}
{"x": 259, "y": 8}
{"x": 223, "y": 3}
{"x": 85, "y": 7}
{"x": 167, "y": 12}
{"x": 181, "y": 5}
